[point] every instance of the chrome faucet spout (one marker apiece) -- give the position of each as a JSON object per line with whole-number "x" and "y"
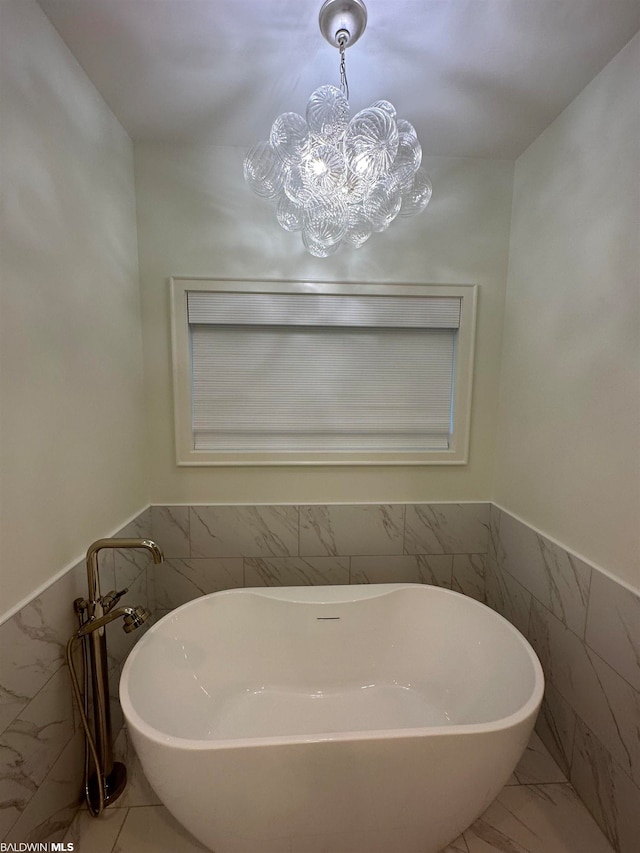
{"x": 117, "y": 543}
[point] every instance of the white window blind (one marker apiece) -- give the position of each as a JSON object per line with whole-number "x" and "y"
{"x": 315, "y": 372}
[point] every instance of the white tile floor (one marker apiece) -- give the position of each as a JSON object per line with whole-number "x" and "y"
{"x": 537, "y": 812}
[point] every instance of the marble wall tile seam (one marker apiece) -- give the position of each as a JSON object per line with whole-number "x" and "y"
{"x": 181, "y": 580}
{"x": 334, "y": 529}
{"x": 295, "y": 571}
{"x": 596, "y": 777}
{"x": 446, "y": 528}
{"x": 536, "y": 598}
{"x": 607, "y": 788}
{"x": 16, "y": 710}
{"x": 507, "y": 596}
{"x": 605, "y": 662}
{"x": 243, "y": 505}
{"x": 252, "y": 531}
{"x": 590, "y": 686}
{"x": 604, "y": 749}
{"x": 592, "y": 651}
{"x": 54, "y": 674}
{"x": 567, "y": 749}
{"x": 612, "y": 626}
{"x": 572, "y": 553}
{"x": 609, "y": 794}
{"x": 33, "y": 643}
{"x": 363, "y": 555}
{"x": 557, "y": 578}
{"x": 314, "y": 533}
{"x": 582, "y": 639}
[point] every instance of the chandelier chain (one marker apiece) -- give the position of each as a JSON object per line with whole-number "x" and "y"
{"x": 344, "y": 84}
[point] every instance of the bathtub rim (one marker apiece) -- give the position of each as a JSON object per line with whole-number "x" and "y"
{"x": 362, "y": 592}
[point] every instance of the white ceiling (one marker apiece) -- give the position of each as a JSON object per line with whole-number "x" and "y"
{"x": 477, "y": 78}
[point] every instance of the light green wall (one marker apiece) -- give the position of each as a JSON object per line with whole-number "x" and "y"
{"x": 196, "y": 217}
{"x": 564, "y": 445}
{"x": 72, "y": 417}
{"x": 569, "y": 425}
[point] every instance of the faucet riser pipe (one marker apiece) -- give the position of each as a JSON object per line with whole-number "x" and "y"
{"x": 101, "y": 707}
{"x": 114, "y": 774}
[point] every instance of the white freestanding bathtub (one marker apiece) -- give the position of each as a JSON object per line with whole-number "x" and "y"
{"x": 344, "y": 719}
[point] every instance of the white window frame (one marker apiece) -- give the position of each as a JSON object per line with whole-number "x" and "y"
{"x": 456, "y": 454}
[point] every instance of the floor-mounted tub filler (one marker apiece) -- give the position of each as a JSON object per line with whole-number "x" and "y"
{"x": 104, "y": 778}
{"x": 344, "y": 719}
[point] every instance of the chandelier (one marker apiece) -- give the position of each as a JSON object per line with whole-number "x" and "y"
{"x": 334, "y": 177}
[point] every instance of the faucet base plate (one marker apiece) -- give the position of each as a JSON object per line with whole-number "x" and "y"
{"x": 114, "y": 785}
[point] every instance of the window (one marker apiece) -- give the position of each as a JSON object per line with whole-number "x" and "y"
{"x": 311, "y": 373}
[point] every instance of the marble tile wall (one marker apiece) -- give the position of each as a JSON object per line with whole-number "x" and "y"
{"x": 585, "y": 628}
{"x": 210, "y": 548}
{"x": 41, "y": 742}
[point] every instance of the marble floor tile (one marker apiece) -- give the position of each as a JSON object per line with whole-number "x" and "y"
{"x": 95, "y": 835}
{"x": 151, "y": 829}
{"x": 352, "y": 842}
{"x": 546, "y": 817}
{"x": 374, "y": 841}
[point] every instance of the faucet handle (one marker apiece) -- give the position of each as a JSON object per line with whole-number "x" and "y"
{"x": 110, "y": 599}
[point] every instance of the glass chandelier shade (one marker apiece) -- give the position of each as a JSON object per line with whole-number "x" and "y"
{"x": 338, "y": 178}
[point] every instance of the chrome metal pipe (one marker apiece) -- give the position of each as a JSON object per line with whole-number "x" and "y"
{"x": 113, "y": 775}
{"x": 133, "y": 618}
